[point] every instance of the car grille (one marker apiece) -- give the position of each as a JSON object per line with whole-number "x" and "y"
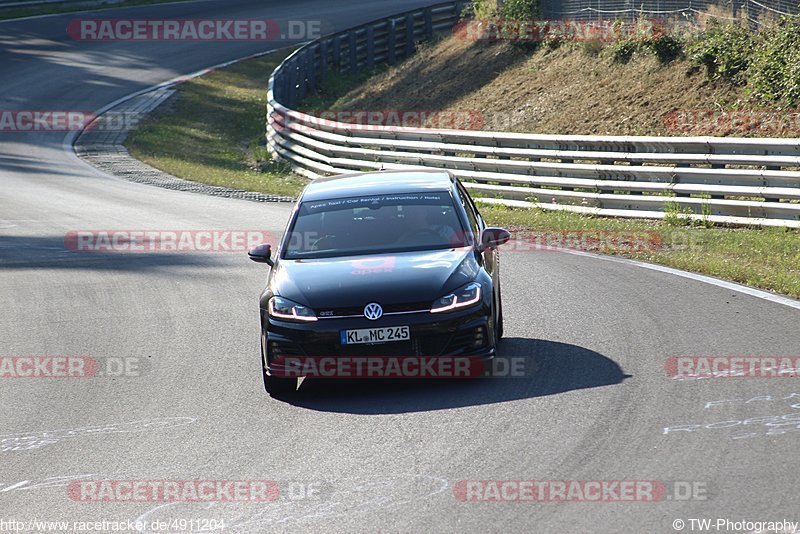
{"x": 358, "y": 311}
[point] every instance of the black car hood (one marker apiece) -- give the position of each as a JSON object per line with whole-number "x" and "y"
{"x": 387, "y": 279}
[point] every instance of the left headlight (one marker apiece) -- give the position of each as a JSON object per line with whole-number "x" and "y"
{"x": 281, "y": 308}
{"x": 464, "y": 297}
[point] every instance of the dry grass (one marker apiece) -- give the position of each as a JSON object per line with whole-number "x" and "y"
{"x": 568, "y": 90}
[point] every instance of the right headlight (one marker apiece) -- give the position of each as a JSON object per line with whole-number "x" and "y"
{"x": 463, "y": 297}
{"x": 287, "y": 310}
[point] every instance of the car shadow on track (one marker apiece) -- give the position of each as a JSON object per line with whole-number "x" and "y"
{"x": 53, "y": 252}
{"x": 549, "y": 368}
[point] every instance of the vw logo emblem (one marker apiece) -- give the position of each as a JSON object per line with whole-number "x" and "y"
{"x": 373, "y": 311}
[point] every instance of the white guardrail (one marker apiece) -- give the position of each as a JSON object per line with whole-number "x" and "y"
{"x": 726, "y": 180}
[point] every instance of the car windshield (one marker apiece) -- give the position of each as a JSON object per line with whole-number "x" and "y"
{"x": 374, "y": 225}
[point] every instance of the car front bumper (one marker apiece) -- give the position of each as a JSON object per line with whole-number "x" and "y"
{"x": 464, "y": 335}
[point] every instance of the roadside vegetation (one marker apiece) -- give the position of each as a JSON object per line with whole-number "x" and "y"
{"x": 763, "y": 61}
{"x": 212, "y": 131}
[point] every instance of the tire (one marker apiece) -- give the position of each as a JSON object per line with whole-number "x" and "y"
{"x": 276, "y": 386}
{"x": 279, "y": 386}
{"x": 499, "y": 323}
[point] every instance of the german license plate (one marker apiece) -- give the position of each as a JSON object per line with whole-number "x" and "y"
{"x": 375, "y": 335}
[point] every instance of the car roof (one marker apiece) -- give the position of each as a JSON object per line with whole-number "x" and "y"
{"x": 381, "y": 182}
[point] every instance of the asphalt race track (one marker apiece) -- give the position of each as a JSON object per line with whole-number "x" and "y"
{"x": 594, "y": 336}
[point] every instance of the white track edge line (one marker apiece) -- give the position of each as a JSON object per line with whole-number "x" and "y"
{"x": 68, "y": 144}
{"x": 733, "y": 286}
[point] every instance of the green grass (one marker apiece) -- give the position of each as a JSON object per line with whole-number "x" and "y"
{"x": 55, "y": 9}
{"x": 334, "y": 86}
{"x": 767, "y": 258}
{"x": 212, "y": 131}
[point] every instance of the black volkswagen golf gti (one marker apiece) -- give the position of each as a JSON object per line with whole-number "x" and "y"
{"x": 385, "y": 264}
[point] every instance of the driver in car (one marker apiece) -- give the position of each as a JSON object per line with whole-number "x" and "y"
{"x": 420, "y": 221}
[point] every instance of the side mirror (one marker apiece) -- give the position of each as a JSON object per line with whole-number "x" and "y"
{"x": 261, "y": 253}
{"x": 493, "y": 238}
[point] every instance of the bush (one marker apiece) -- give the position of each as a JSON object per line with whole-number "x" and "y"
{"x": 622, "y": 50}
{"x": 768, "y": 62}
{"x": 481, "y": 9}
{"x": 506, "y": 9}
{"x": 645, "y": 37}
{"x": 666, "y": 47}
{"x": 724, "y": 49}
{"x": 775, "y": 72}
{"x": 519, "y": 9}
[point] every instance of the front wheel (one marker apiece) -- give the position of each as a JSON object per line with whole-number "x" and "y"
{"x": 276, "y": 386}
{"x": 498, "y": 325}
{"x": 279, "y": 386}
